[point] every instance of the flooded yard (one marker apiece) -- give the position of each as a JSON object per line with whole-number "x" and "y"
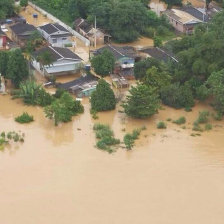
{"x": 58, "y": 176}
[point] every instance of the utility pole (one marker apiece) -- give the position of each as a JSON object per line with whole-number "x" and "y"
{"x": 95, "y": 34}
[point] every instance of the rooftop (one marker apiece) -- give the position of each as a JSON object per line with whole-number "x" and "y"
{"x": 20, "y": 28}
{"x": 53, "y": 28}
{"x": 58, "y": 53}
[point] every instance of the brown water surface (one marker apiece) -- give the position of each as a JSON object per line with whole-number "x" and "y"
{"x": 57, "y": 175}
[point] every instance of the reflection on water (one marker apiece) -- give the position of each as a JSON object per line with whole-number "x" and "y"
{"x": 58, "y": 176}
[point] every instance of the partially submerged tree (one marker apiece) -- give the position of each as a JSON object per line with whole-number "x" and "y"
{"x": 142, "y": 102}
{"x": 62, "y": 109}
{"x": 24, "y": 3}
{"x": 103, "y": 97}
{"x": 4, "y": 58}
{"x": 103, "y": 64}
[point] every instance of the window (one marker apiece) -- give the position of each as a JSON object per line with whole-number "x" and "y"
{"x": 64, "y": 38}
{"x": 54, "y": 40}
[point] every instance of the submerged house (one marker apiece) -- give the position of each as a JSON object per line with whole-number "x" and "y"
{"x": 21, "y": 32}
{"x": 182, "y": 20}
{"x": 89, "y": 31}
{"x": 63, "y": 61}
{"x": 3, "y": 39}
{"x": 125, "y": 58}
{"x": 119, "y": 82}
{"x": 81, "y": 87}
{"x": 56, "y": 35}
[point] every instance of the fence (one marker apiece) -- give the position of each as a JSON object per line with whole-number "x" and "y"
{"x": 56, "y": 20}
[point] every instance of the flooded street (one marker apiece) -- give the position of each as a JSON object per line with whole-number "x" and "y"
{"x": 58, "y": 176}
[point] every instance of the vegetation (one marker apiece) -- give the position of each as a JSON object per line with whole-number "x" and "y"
{"x": 142, "y": 102}
{"x": 62, "y": 109}
{"x": 103, "y": 64}
{"x": 8, "y": 137}
{"x": 208, "y": 127}
{"x": 24, "y": 118}
{"x": 17, "y": 68}
{"x": 161, "y": 125}
{"x": 103, "y": 98}
{"x": 202, "y": 117}
{"x": 23, "y": 3}
{"x": 105, "y": 136}
{"x": 129, "y": 139}
{"x": 180, "y": 120}
{"x": 33, "y": 94}
{"x": 119, "y": 18}
{"x": 6, "y": 8}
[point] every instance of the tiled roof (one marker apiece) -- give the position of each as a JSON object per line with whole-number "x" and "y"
{"x": 53, "y": 28}
{"x": 21, "y": 28}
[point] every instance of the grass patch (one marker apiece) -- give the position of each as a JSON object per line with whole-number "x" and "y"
{"x": 180, "y": 120}
{"x": 105, "y": 137}
{"x": 94, "y": 114}
{"x": 161, "y": 125}
{"x": 24, "y": 118}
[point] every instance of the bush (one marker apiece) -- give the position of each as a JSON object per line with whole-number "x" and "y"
{"x": 162, "y": 31}
{"x": 218, "y": 116}
{"x": 180, "y": 120}
{"x": 105, "y": 137}
{"x": 202, "y": 93}
{"x": 161, "y": 125}
{"x": 103, "y": 98}
{"x": 129, "y": 139}
{"x": 24, "y": 118}
{"x": 208, "y": 127}
{"x": 157, "y": 41}
{"x": 177, "y": 96}
{"x": 197, "y": 127}
{"x": 203, "y": 117}
{"x": 59, "y": 92}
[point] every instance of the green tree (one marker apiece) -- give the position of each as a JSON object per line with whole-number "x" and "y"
{"x": 216, "y": 88}
{"x": 24, "y": 3}
{"x": 6, "y": 8}
{"x": 103, "y": 64}
{"x": 62, "y": 110}
{"x": 142, "y": 102}
{"x": 17, "y": 68}
{"x": 4, "y": 58}
{"x": 103, "y": 97}
{"x": 156, "y": 79}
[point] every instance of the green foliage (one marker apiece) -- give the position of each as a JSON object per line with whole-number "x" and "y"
{"x": 161, "y": 125}
{"x": 180, "y": 120}
{"x": 45, "y": 58}
{"x": 33, "y": 94}
{"x": 24, "y": 118}
{"x": 4, "y": 58}
{"x": 62, "y": 109}
{"x": 103, "y": 98}
{"x": 208, "y": 127}
{"x": 202, "y": 93}
{"x": 17, "y": 68}
{"x": 105, "y": 136}
{"x": 103, "y": 64}
{"x": 23, "y": 3}
{"x": 203, "y": 117}
{"x": 149, "y": 32}
{"x": 177, "y": 96}
{"x": 6, "y": 8}
{"x": 218, "y": 116}
{"x": 142, "y": 102}
{"x": 197, "y": 127}
{"x": 59, "y": 92}
{"x": 173, "y": 2}
{"x": 156, "y": 79}
{"x": 157, "y": 41}
{"x": 216, "y": 88}
{"x": 8, "y": 137}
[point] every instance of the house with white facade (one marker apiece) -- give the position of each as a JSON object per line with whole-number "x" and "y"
{"x": 55, "y": 34}
{"x": 56, "y": 61}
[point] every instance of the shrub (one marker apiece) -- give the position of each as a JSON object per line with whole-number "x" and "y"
{"x": 129, "y": 139}
{"x": 208, "y": 127}
{"x": 157, "y": 41}
{"x": 68, "y": 45}
{"x": 180, "y": 120}
{"x": 197, "y": 127}
{"x": 24, "y": 118}
{"x": 218, "y": 116}
{"x": 203, "y": 117}
{"x": 149, "y": 32}
{"x": 202, "y": 93}
{"x": 161, "y": 125}
{"x": 105, "y": 137}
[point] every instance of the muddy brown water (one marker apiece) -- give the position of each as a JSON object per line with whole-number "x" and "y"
{"x": 57, "y": 175}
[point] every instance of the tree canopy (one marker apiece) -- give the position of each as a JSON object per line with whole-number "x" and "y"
{"x": 103, "y": 98}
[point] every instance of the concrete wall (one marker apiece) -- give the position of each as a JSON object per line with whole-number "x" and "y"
{"x": 56, "y": 20}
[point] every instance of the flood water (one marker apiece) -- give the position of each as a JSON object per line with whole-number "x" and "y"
{"x": 57, "y": 175}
